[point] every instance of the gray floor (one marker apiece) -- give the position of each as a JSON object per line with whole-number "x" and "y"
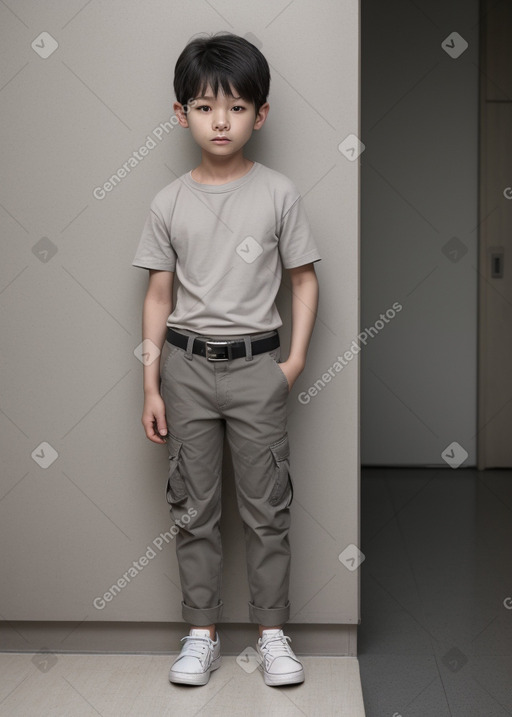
{"x": 436, "y": 607}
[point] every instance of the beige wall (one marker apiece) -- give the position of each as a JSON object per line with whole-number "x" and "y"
{"x": 70, "y": 302}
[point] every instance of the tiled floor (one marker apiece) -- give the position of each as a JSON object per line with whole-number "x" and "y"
{"x": 436, "y": 612}
{"x": 137, "y": 686}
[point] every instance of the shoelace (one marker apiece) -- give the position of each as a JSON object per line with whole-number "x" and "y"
{"x": 279, "y": 645}
{"x": 196, "y": 650}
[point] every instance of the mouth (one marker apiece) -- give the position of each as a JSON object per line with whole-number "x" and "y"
{"x": 220, "y": 140}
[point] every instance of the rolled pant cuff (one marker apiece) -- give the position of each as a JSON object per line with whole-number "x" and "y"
{"x": 201, "y": 616}
{"x": 269, "y": 616}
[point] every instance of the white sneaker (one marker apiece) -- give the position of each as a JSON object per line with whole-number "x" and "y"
{"x": 198, "y": 657}
{"x": 280, "y": 665}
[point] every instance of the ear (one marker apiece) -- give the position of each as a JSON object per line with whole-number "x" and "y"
{"x": 261, "y": 116}
{"x": 180, "y": 114}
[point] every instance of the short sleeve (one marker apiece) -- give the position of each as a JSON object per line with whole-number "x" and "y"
{"x": 154, "y": 250}
{"x": 297, "y": 245}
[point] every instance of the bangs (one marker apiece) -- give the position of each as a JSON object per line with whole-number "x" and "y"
{"x": 217, "y": 81}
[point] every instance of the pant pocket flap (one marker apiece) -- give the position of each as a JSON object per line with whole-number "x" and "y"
{"x": 176, "y": 488}
{"x": 174, "y": 446}
{"x": 281, "y": 449}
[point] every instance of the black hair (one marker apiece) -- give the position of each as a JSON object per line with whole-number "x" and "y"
{"x": 222, "y": 60}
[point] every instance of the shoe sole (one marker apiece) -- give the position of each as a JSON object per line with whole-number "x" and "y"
{"x": 186, "y": 678}
{"x": 292, "y": 678}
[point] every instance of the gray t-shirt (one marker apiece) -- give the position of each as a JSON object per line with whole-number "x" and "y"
{"x": 226, "y": 243}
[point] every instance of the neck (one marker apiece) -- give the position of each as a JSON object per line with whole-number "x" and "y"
{"x": 221, "y": 170}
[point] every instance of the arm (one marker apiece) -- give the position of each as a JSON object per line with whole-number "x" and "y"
{"x": 157, "y": 307}
{"x": 304, "y": 307}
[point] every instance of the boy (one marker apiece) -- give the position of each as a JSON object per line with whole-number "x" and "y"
{"x": 224, "y": 229}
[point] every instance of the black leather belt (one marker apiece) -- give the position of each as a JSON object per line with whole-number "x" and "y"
{"x": 222, "y": 350}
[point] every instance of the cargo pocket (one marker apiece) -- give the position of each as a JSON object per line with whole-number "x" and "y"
{"x": 282, "y": 479}
{"x": 176, "y": 489}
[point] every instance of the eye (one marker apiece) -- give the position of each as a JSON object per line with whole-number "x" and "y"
{"x": 238, "y": 107}
{"x": 202, "y": 107}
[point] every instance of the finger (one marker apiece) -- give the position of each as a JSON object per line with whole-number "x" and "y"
{"x": 161, "y": 424}
{"x": 149, "y": 428}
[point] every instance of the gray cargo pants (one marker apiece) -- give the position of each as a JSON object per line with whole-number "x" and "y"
{"x": 246, "y": 397}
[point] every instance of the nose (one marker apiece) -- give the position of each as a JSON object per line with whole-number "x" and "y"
{"x": 220, "y": 120}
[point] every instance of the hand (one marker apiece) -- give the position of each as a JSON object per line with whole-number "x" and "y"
{"x": 292, "y": 370}
{"x": 153, "y": 417}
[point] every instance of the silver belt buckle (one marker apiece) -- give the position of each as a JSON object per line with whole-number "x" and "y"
{"x": 210, "y": 350}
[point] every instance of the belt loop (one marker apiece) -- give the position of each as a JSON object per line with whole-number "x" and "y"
{"x": 190, "y": 346}
{"x": 248, "y": 348}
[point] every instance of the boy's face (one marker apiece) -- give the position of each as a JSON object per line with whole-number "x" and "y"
{"x": 225, "y": 116}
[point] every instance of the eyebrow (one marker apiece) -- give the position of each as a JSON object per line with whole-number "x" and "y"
{"x": 214, "y": 98}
